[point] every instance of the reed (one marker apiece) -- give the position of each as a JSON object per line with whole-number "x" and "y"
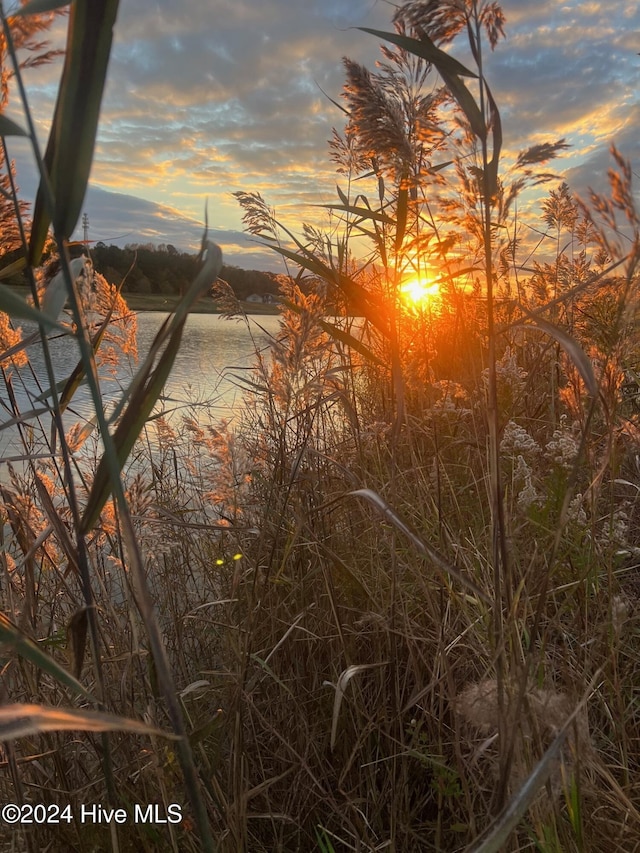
{"x": 429, "y": 556}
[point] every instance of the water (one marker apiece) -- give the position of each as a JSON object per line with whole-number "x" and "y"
{"x": 213, "y": 354}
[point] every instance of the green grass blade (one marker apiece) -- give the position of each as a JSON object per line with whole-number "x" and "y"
{"x": 440, "y": 561}
{"x": 147, "y": 388}
{"x": 496, "y": 127}
{"x": 351, "y": 341}
{"x": 465, "y": 101}
{"x": 27, "y": 648}
{"x": 449, "y": 69}
{"x": 69, "y": 153}
{"x": 13, "y": 268}
{"x": 360, "y": 300}
{"x": 509, "y": 819}
{"x": 495, "y": 837}
{"x": 364, "y": 212}
{"x": 340, "y": 335}
{"x": 10, "y": 128}
{"x": 425, "y": 49}
{"x": 571, "y": 347}
{"x": 129, "y": 428}
{"x": 36, "y": 7}
{"x": 24, "y": 417}
{"x": 17, "y": 308}
{"x": 324, "y": 843}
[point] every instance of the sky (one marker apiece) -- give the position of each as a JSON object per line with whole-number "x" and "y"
{"x": 208, "y": 97}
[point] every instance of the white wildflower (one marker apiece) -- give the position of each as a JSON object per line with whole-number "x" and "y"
{"x": 620, "y": 611}
{"x": 614, "y": 532}
{"x": 562, "y": 448}
{"x": 510, "y": 377}
{"x": 516, "y": 441}
{"x": 452, "y": 397}
{"x": 528, "y": 495}
{"x": 576, "y": 513}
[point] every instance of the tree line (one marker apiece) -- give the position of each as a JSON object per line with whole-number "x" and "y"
{"x": 163, "y": 269}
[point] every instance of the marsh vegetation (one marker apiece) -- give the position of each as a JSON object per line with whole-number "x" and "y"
{"x": 395, "y": 606}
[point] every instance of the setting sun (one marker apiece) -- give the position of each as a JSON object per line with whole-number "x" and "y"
{"x": 420, "y": 291}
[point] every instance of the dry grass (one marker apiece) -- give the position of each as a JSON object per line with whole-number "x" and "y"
{"x": 339, "y": 686}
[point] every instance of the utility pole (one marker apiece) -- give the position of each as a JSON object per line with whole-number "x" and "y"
{"x": 85, "y": 228}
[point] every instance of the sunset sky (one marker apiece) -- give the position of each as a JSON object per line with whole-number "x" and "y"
{"x": 205, "y": 98}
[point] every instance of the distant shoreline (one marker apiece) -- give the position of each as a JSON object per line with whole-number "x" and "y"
{"x": 165, "y": 302}
{"x": 205, "y": 305}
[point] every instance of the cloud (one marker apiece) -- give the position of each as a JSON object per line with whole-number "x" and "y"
{"x": 205, "y": 99}
{"x": 565, "y": 69}
{"x": 118, "y": 219}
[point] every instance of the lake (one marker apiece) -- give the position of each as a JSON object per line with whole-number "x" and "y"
{"x": 213, "y": 353}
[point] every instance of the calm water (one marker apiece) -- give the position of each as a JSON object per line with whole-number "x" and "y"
{"x": 213, "y": 353}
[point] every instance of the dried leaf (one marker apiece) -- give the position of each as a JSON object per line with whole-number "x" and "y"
{"x": 341, "y": 686}
{"x": 571, "y": 347}
{"x": 26, "y": 720}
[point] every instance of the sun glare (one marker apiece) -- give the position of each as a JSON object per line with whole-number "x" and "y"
{"x": 421, "y": 291}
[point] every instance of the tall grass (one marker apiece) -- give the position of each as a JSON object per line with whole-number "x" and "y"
{"x": 64, "y": 171}
{"x": 394, "y": 606}
{"x": 446, "y": 556}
